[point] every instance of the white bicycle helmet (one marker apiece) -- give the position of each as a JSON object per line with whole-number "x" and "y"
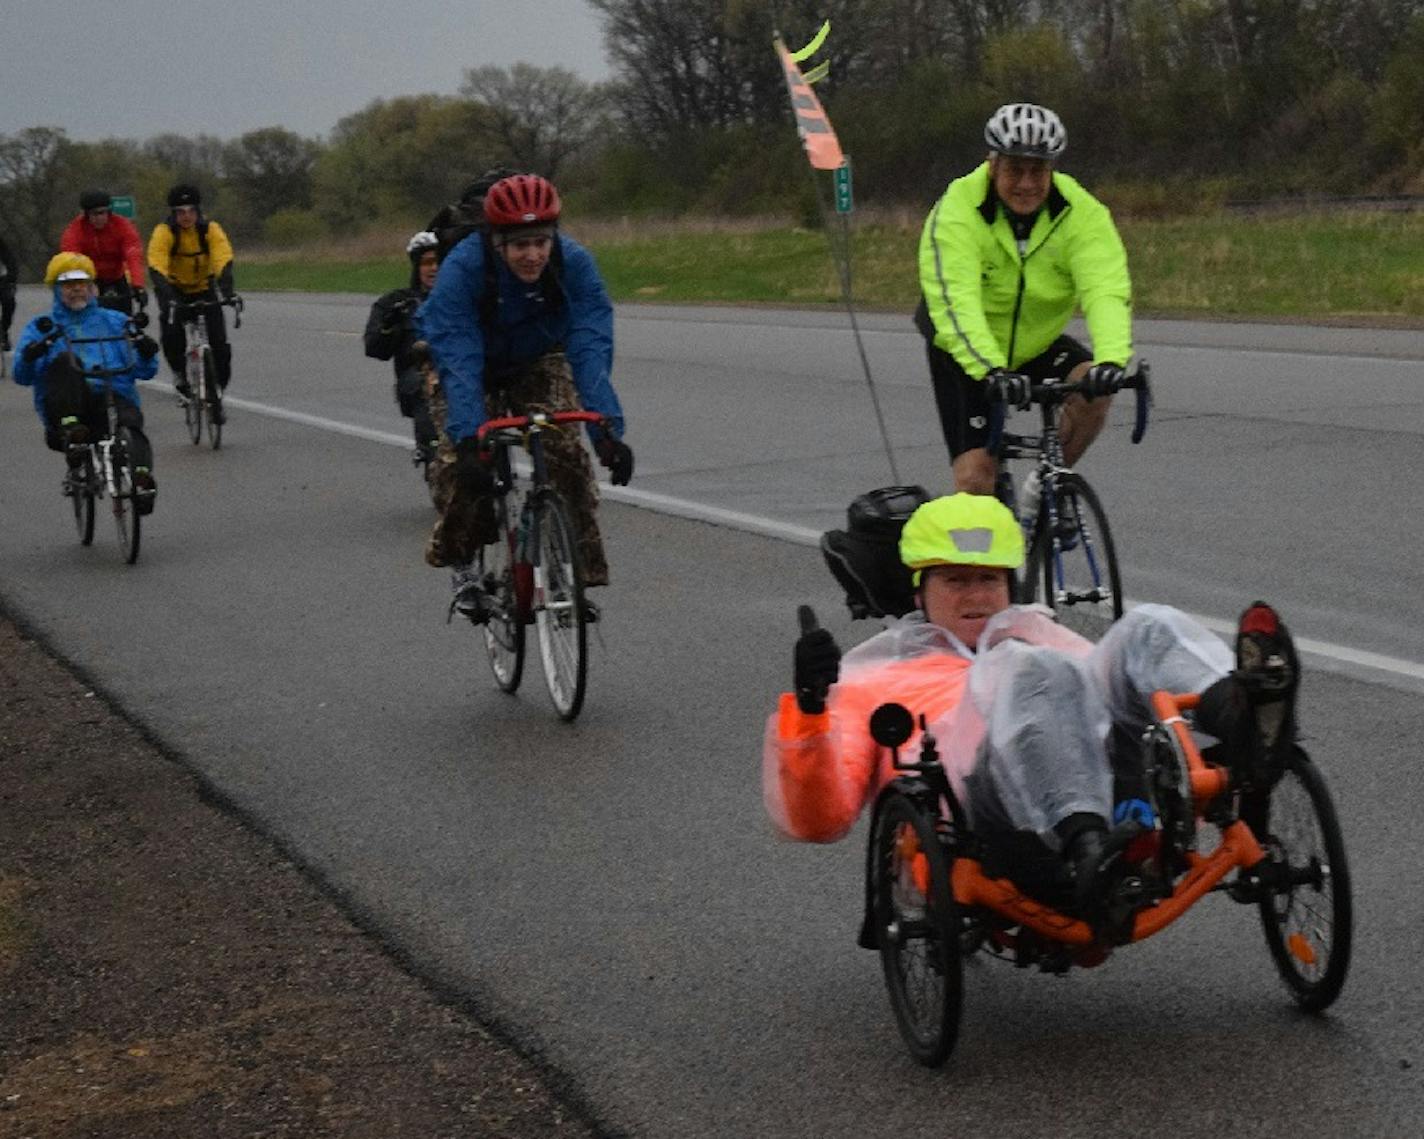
{"x": 1026, "y": 130}
{"x": 420, "y": 243}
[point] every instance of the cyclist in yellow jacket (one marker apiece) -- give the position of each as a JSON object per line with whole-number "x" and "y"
{"x": 1006, "y": 256}
{"x": 190, "y": 258}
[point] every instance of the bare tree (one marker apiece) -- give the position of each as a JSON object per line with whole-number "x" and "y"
{"x": 31, "y": 171}
{"x": 538, "y": 116}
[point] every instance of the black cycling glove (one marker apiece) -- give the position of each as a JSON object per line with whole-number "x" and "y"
{"x": 473, "y": 470}
{"x": 1102, "y": 379}
{"x": 817, "y": 664}
{"x": 617, "y": 456}
{"x": 146, "y": 346}
{"x": 35, "y": 350}
{"x": 1008, "y": 387}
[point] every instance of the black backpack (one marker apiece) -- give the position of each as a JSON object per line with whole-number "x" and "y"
{"x": 865, "y": 557}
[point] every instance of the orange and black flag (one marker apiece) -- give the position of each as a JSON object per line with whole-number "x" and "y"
{"x": 823, "y": 149}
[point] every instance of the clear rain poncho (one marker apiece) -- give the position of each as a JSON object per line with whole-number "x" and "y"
{"x": 1030, "y": 725}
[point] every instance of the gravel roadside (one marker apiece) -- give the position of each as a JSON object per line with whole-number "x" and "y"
{"x": 166, "y": 971}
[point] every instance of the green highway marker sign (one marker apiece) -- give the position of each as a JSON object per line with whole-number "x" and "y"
{"x": 842, "y": 182}
{"x": 123, "y": 205}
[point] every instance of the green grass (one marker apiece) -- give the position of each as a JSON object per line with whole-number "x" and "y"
{"x": 1366, "y": 266}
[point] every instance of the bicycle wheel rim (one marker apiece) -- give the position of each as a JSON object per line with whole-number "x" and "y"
{"x": 193, "y": 405}
{"x": 916, "y": 924}
{"x": 1083, "y": 585}
{"x": 1308, "y": 921}
{"x": 212, "y": 391}
{"x": 84, "y": 502}
{"x": 126, "y": 517}
{"x": 559, "y": 614}
{"x": 504, "y": 633}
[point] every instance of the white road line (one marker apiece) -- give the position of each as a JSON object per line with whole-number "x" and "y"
{"x": 1323, "y": 651}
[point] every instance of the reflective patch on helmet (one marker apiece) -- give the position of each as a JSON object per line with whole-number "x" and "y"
{"x": 978, "y": 540}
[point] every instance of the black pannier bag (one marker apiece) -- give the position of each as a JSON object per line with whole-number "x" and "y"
{"x": 865, "y": 557}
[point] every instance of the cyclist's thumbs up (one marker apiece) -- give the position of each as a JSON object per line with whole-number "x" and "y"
{"x": 817, "y": 663}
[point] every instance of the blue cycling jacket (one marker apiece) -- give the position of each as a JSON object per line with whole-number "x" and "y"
{"x": 524, "y": 329}
{"x": 91, "y": 321}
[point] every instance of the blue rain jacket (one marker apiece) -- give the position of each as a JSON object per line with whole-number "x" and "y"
{"x": 524, "y": 329}
{"x": 87, "y": 322}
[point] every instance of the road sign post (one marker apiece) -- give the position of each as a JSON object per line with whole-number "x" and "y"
{"x": 841, "y": 173}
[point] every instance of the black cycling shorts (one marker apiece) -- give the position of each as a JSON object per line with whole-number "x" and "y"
{"x": 963, "y": 405}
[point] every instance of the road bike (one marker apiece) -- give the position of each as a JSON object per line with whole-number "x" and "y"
{"x": 203, "y": 405}
{"x": 532, "y": 573}
{"x": 934, "y": 896}
{"x": 101, "y": 468}
{"x": 1072, "y": 559}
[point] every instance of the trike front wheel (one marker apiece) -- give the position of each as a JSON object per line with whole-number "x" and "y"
{"x": 917, "y": 927}
{"x": 81, "y": 487}
{"x": 1306, "y": 909}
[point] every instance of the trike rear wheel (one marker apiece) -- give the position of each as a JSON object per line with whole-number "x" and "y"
{"x": 1306, "y": 909}
{"x": 917, "y": 928}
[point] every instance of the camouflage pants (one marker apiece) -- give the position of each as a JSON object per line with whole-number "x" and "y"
{"x": 468, "y": 522}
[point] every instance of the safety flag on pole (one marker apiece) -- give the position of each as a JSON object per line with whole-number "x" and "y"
{"x": 823, "y": 149}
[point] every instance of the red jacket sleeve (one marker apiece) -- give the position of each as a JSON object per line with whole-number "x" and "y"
{"x": 72, "y": 239}
{"x": 133, "y": 249}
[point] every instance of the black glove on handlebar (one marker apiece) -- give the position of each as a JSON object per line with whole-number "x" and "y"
{"x": 1102, "y": 379}
{"x": 473, "y": 470}
{"x": 817, "y": 664}
{"x": 35, "y": 350}
{"x": 1009, "y": 387}
{"x": 140, "y": 295}
{"x": 617, "y": 456}
{"x": 146, "y": 346}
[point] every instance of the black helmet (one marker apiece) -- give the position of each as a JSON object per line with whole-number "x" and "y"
{"x": 184, "y": 194}
{"x": 474, "y": 193}
{"x": 95, "y": 200}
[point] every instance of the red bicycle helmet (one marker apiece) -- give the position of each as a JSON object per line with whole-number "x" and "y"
{"x": 523, "y": 199}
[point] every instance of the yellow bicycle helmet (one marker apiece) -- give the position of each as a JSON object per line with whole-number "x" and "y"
{"x": 68, "y": 267}
{"x": 962, "y": 529}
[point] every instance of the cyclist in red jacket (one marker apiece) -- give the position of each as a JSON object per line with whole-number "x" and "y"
{"x": 113, "y": 244}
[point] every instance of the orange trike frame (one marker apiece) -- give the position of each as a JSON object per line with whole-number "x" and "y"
{"x": 1238, "y": 849}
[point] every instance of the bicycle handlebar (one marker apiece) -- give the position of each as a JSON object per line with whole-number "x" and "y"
{"x": 186, "y": 309}
{"x": 131, "y": 333}
{"x": 538, "y": 419}
{"x": 1057, "y": 390}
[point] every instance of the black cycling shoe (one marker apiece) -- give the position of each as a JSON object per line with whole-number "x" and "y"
{"x": 1252, "y": 710}
{"x": 145, "y": 490}
{"x": 471, "y": 601}
{"x": 216, "y": 412}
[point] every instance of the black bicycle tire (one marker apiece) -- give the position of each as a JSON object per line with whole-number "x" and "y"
{"x": 931, "y": 1038}
{"x": 84, "y": 500}
{"x": 505, "y": 598}
{"x": 1039, "y": 572}
{"x": 210, "y": 382}
{"x": 1313, "y": 995}
{"x": 127, "y": 520}
{"x": 551, "y": 524}
{"x": 193, "y": 404}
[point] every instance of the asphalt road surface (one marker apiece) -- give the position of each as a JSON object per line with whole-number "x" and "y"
{"x": 610, "y": 891}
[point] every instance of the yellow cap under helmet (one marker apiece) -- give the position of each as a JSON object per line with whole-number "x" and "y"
{"x": 68, "y": 267}
{"x": 962, "y": 530}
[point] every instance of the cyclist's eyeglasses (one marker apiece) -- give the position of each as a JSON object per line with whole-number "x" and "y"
{"x": 102, "y": 211}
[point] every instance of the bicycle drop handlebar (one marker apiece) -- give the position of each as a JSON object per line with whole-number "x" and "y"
{"x": 192, "y": 309}
{"x": 538, "y": 419}
{"x": 1056, "y": 391}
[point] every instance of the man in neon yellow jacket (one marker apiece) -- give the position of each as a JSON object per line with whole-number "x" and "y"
{"x": 1006, "y": 256}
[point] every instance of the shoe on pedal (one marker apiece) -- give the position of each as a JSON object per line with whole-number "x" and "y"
{"x": 145, "y": 490}
{"x": 185, "y": 393}
{"x": 1252, "y": 710}
{"x": 471, "y": 601}
{"x": 592, "y": 614}
{"x": 216, "y": 412}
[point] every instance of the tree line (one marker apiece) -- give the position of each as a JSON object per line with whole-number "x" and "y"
{"x": 1169, "y": 105}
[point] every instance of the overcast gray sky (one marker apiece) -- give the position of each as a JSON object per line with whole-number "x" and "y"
{"x": 135, "y": 68}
